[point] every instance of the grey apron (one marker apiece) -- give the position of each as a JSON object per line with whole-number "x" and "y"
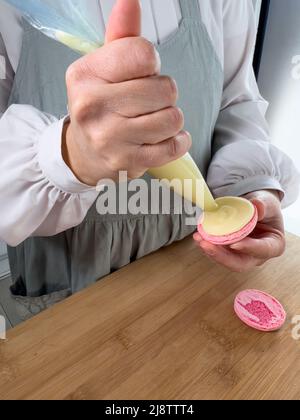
{"x": 46, "y": 270}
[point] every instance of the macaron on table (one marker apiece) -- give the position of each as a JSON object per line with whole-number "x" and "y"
{"x": 259, "y": 310}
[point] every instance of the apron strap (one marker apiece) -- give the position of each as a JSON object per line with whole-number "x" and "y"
{"x": 189, "y": 8}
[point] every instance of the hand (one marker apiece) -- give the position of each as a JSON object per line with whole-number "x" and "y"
{"x": 123, "y": 114}
{"x": 265, "y": 243}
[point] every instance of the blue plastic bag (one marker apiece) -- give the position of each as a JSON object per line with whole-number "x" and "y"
{"x": 67, "y": 21}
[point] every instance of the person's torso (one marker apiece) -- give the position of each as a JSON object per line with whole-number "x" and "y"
{"x": 100, "y": 244}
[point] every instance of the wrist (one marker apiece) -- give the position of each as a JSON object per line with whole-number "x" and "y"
{"x": 258, "y": 194}
{"x": 277, "y": 194}
{"x": 270, "y": 199}
{"x": 72, "y": 155}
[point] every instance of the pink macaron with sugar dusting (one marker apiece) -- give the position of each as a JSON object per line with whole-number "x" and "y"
{"x": 259, "y": 310}
{"x": 243, "y": 217}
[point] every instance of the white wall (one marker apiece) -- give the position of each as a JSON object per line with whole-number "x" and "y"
{"x": 279, "y": 82}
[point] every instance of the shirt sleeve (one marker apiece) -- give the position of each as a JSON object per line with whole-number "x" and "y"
{"x": 40, "y": 196}
{"x": 244, "y": 160}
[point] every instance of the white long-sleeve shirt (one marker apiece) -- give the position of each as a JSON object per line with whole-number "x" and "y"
{"x": 40, "y": 195}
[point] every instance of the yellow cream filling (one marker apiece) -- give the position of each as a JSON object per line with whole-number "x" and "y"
{"x": 232, "y": 215}
{"x": 77, "y": 44}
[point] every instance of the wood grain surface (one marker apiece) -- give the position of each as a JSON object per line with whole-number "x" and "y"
{"x": 161, "y": 328}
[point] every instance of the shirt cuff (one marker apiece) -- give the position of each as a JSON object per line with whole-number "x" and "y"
{"x": 52, "y": 163}
{"x": 248, "y": 185}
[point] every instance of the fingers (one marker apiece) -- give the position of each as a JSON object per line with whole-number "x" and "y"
{"x": 125, "y": 20}
{"x": 261, "y": 208}
{"x": 265, "y": 243}
{"x": 146, "y": 108}
{"x": 266, "y": 202}
{"x": 235, "y": 262}
{"x": 247, "y": 254}
{"x": 152, "y": 156}
{"x": 155, "y": 128}
{"x": 126, "y": 59}
{"x": 139, "y": 97}
{"x": 272, "y": 245}
{"x": 119, "y": 61}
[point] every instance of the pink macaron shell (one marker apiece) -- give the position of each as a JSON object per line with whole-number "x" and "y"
{"x": 259, "y": 310}
{"x": 232, "y": 238}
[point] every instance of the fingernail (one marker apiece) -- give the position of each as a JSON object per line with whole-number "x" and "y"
{"x": 180, "y": 111}
{"x": 209, "y": 252}
{"x": 181, "y": 139}
{"x": 236, "y": 247}
{"x": 158, "y": 61}
{"x": 196, "y": 237}
{"x": 182, "y": 135}
{"x": 185, "y": 138}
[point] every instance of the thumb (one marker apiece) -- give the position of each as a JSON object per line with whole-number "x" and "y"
{"x": 267, "y": 203}
{"x": 261, "y": 208}
{"x": 125, "y": 20}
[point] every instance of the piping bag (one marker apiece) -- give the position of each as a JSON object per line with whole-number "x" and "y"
{"x": 70, "y": 22}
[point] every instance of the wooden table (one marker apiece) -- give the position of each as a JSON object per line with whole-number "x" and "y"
{"x": 162, "y": 328}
